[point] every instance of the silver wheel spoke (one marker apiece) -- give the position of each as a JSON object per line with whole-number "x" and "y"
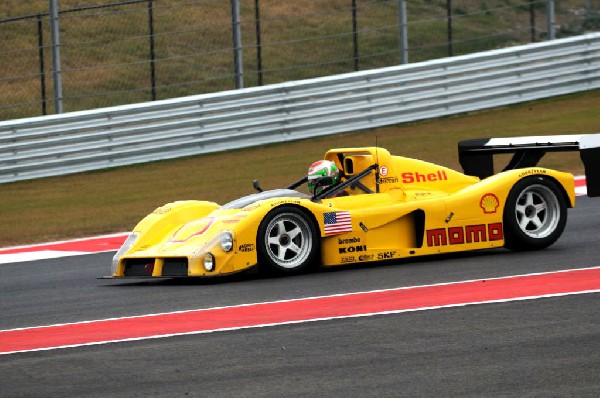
{"x": 280, "y": 227}
{"x": 281, "y": 254}
{"x": 523, "y": 223}
{"x": 528, "y": 198}
{"x": 295, "y": 232}
{"x": 294, "y": 248}
{"x": 537, "y": 222}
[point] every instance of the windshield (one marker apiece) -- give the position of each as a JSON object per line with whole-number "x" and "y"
{"x": 275, "y": 193}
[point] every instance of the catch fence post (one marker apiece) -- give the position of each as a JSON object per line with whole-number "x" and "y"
{"x": 56, "y": 73}
{"x": 237, "y": 44}
{"x": 258, "y": 42}
{"x": 403, "y": 31}
{"x": 550, "y": 19}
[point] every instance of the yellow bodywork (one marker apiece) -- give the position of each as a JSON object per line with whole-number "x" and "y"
{"x": 416, "y": 208}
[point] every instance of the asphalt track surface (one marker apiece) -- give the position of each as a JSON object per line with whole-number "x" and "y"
{"x": 543, "y": 347}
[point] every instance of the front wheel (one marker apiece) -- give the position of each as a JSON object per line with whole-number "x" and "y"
{"x": 535, "y": 214}
{"x": 287, "y": 240}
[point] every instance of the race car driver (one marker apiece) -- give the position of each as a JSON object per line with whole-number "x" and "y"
{"x": 319, "y": 169}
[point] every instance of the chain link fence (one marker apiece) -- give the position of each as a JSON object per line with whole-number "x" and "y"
{"x": 144, "y": 50}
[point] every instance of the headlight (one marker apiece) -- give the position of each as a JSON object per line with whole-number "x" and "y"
{"x": 209, "y": 262}
{"x": 226, "y": 241}
{"x": 128, "y": 244}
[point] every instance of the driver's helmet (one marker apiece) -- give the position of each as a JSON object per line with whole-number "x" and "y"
{"x": 322, "y": 168}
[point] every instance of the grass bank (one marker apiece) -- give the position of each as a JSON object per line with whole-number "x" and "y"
{"x": 115, "y": 200}
{"x": 106, "y": 52}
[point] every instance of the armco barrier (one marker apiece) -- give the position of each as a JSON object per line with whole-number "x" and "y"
{"x": 124, "y": 135}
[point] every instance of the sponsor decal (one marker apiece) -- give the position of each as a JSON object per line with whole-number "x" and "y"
{"x": 345, "y": 241}
{"x": 287, "y": 201}
{"x": 531, "y": 172}
{"x": 235, "y": 218}
{"x": 251, "y": 207}
{"x": 410, "y": 177}
{"x": 337, "y": 222}
{"x": 383, "y": 171}
{"x": 467, "y": 234}
{"x": 246, "y": 247}
{"x": 388, "y": 180}
{"x": 348, "y": 259}
{"x": 352, "y": 249}
{"x": 366, "y": 257}
{"x": 162, "y": 210}
{"x": 489, "y": 203}
{"x": 386, "y": 255}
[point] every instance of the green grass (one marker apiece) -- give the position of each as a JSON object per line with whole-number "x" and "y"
{"x": 115, "y": 200}
{"x": 105, "y": 53}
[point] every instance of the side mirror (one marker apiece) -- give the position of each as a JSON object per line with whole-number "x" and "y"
{"x": 256, "y": 186}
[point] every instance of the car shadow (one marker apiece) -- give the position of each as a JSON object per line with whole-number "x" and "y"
{"x": 256, "y": 273}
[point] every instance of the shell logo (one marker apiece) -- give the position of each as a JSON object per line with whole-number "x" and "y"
{"x": 489, "y": 203}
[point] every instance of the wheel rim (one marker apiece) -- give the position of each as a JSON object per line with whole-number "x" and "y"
{"x": 537, "y": 211}
{"x": 288, "y": 240}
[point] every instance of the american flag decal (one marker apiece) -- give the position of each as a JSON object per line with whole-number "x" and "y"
{"x": 337, "y": 222}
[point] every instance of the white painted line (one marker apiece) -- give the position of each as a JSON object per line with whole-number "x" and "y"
{"x": 35, "y": 245}
{"x": 36, "y": 255}
{"x": 217, "y": 319}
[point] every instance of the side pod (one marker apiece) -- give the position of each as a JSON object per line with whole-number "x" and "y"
{"x": 476, "y": 156}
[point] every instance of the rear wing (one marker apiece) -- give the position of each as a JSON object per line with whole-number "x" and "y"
{"x": 477, "y": 156}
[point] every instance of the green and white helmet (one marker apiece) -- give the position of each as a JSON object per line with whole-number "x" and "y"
{"x": 322, "y": 168}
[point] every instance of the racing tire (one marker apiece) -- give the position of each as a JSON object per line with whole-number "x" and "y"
{"x": 535, "y": 214}
{"x": 287, "y": 241}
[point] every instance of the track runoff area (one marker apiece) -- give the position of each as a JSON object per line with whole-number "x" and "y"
{"x": 253, "y": 315}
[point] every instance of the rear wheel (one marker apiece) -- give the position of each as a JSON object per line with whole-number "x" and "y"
{"x": 287, "y": 240}
{"x": 535, "y": 214}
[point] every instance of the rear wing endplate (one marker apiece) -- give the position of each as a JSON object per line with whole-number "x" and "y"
{"x": 477, "y": 156}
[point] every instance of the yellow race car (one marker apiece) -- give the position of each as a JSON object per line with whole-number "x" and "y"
{"x": 384, "y": 207}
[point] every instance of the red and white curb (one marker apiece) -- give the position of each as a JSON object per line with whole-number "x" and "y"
{"x": 65, "y": 248}
{"x": 580, "y": 186}
{"x": 310, "y": 309}
{"x": 112, "y": 242}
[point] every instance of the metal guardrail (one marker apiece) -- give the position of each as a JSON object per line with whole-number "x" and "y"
{"x": 102, "y": 138}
